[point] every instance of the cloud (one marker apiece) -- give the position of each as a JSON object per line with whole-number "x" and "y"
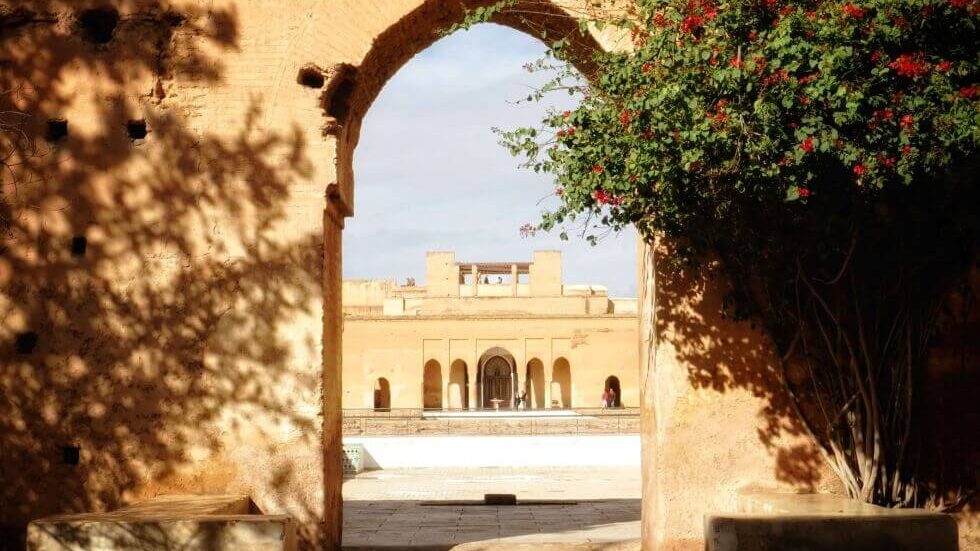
{"x": 430, "y": 174}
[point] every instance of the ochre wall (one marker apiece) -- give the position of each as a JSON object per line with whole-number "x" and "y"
{"x": 195, "y": 346}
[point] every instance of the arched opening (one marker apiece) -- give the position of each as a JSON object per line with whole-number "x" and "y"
{"x": 534, "y": 384}
{"x": 432, "y": 385}
{"x": 458, "y": 385}
{"x": 496, "y": 375}
{"x": 561, "y": 384}
{"x": 615, "y": 394}
{"x": 497, "y": 379}
{"x": 382, "y": 395}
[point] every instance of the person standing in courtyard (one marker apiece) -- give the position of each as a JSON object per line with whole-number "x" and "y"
{"x": 605, "y": 398}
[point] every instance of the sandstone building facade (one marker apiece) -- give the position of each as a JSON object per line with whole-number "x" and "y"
{"x": 485, "y": 335}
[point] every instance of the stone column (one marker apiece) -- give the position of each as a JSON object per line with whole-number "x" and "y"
{"x": 476, "y": 279}
{"x": 513, "y": 280}
{"x": 330, "y": 384}
{"x": 471, "y": 387}
{"x": 446, "y": 369}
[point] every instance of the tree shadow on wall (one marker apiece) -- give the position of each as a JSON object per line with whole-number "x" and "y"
{"x": 727, "y": 356}
{"x": 146, "y": 300}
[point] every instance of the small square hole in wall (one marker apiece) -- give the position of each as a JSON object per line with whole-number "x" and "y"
{"x": 79, "y": 244}
{"x": 98, "y": 25}
{"x": 56, "y": 130}
{"x": 136, "y": 129}
{"x": 25, "y": 342}
{"x": 70, "y": 455}
{"x": 311, "y": 77}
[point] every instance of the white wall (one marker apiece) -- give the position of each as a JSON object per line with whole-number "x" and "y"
{"x": 400, "y": 452}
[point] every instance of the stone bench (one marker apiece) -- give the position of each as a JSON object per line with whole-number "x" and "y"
{"x": 817, "y": 522}
{"x": 191, "y": 523}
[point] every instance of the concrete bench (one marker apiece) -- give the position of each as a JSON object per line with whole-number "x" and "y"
{"x": 191, "y": 523}
{"x": 816, "y": 522}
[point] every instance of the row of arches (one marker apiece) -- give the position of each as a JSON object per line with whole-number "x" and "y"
{"x": 497, "y": 385}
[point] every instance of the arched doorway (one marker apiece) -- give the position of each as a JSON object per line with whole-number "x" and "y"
{"x": 458, "y": 384}
{"x": 498, "y": 382}
{"x": 432, "y": 385}
{"x": 382, "y": 395}
{"x": 612, "y": 383}
{"x": 561, "y": 384}
{"x": 498, "y": 378}
{"x": 392, "y": 36}
{"x": 534, "y": 384}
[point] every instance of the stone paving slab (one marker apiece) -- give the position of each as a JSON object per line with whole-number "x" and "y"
{"x": 422, "y": 509}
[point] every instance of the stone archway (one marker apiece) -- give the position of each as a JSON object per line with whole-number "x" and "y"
{"x": 497, "y": 379}
{"x": 401, "y": 29}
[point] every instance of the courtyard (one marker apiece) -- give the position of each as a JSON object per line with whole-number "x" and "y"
{"x": 441, "y": 508}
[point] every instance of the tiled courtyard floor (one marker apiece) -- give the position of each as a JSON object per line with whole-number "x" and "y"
{"x": 415, "y": 508}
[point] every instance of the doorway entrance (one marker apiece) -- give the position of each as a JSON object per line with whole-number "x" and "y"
{"x": 498, "y": 387}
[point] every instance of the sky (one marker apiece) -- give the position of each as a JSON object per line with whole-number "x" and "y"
{"x": 430, "y": 174}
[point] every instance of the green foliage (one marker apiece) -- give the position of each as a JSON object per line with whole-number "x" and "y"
{"x": 752, "y": 103}
{"x": 825, "y": 151}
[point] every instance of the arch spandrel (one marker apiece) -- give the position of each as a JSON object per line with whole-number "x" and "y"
{"x": 378, "y": 38}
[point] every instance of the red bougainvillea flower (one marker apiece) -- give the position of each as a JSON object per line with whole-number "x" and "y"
{"x": 560, "y": 134}
{"x": 648, "y": 134}
{"x": 691, "y": 23}
{"x": 570, "y": 132}
{"x": 625, "y": 117}
{"x": 906, "y": 149}
{"x": 876, "y": 56}
{"x": 907, "y": 122}
{"x": 559, "y": 191}
{"x": 736, "y": 62}
{"x": 660, "y": 21}
{"x": 910, "y": 65}
{"x": 859, "y": 170}
{"x": 753, "y": 36}
{"x": 566, "y": 114}
{"x": 807, "y": 145}
{"x": 597, "y": 169}
{"x": 889, "y": 162}
{"x": 959, "y": 3}
{"x": 900, "y": 21}
{"x": 604, "y": 198}
{"x": 633, "y": 179}
{"x": 885, "y": 113}
{"x": 646, "y": 67}
{"x": 969, "y": 92}
{"x": 851, "y": 10}
{"x": 804, "y": 192}
{"x": 944, "y": 66}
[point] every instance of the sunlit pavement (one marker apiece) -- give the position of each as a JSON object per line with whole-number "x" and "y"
{"x": 422, "y": 508}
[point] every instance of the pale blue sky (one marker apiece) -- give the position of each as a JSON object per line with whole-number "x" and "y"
{"x": 430, "y": 175}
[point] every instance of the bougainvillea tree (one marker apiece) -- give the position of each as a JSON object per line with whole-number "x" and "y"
{"x": 824, "y": 151}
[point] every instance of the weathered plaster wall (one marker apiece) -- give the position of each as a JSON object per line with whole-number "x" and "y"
{"x": 195, "y": 345}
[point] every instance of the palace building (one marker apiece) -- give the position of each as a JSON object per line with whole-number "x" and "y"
{"x": 483, "y": 335}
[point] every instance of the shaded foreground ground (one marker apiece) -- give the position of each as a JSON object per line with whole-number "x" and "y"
{"x": 422, "y": 507}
